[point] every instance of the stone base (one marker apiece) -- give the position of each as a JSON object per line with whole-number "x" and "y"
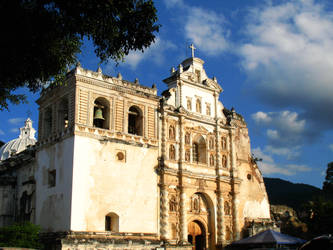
{"x": 106, "y": 241}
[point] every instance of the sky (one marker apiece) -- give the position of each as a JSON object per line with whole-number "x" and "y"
{"x": 273, "y": 59}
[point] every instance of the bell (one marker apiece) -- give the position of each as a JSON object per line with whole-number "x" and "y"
{"x": 98, "y": 114}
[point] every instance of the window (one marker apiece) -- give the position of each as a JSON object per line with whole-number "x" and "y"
{"x": 172, "y": 152}
{"x": 112, "y": 222}
{"x": 101, "y": 113}
{"x": 52, "y": 174}
{"x": 172, "y": 132}
{"x": 135, "y": 124}
{"x": 195, "y": 152}
{"x": 199, "y": 150}
{"x": 198, "y": 106}
{"x": 120, "y": 156}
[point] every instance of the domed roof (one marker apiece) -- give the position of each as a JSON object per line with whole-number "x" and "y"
{"x": 26, "y": 138}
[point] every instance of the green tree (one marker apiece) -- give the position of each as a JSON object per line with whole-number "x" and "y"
{"x": 41, "y": 38}
{"x": 20, "y": 235}
{"x": 328, "y": 183}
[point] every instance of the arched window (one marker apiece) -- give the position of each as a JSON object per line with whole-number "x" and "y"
{"x": 63, "y": 114}
{"x": 112, "y": 222}
{"x": 47, "y": 122}
{"x": 172, "y": 152}
{"x": 101, "y": 117}
{"x": 172, "y": 132}
{"x": 198, "y": 106}
{"x": 199, "y": 150}
{"x": 135, "y": 123}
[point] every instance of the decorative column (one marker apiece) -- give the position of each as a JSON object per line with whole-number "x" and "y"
{"x": 182, "y": 202}
{"x": 233, "y": 172}
{"x": 164, "y": 208}
{"x": 219, "y": 198}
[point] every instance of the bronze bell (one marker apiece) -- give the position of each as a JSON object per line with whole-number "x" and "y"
{"x": 98, "y": 114}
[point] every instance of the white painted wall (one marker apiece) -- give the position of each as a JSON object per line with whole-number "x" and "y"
{"x": 102, "y": 184}
{"x": 53, "y": 204}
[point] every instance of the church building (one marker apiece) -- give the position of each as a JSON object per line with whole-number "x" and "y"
{"x": 116, "y": 166}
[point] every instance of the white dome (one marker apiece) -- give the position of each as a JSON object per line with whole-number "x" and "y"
{"x": 26, "y": 138}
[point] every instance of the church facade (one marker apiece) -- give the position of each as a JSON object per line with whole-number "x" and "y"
{"x": 116, "y": 166}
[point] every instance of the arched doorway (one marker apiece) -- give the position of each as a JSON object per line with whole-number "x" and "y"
{"x": 197, "y": 235}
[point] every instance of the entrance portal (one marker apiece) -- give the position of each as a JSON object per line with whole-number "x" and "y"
{"x": 197, "y": 235}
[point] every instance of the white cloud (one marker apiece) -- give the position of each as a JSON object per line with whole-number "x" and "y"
{"x": 331, "y": 147}
{"x": 268, "y": 166}
{"x": 173, "y": 3}
{"x": 15, "y": 121}
{"x": 14, "y": 130}
{"x": 289, "y": 152}
{"x": 154, "y": 53}
{"x": 205, "y": 28}
{"x": 1, "y": 132}
{"x": 288, "y": 57}
{"x": 284, "y": 128}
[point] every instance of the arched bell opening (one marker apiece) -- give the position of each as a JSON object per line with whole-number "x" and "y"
{"x": 101, "y": 113}
{"x": 135, "y": 121}
{"x": 63, "y": 114}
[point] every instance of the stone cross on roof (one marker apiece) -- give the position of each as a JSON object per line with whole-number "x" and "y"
{"x": 192, "y": 48}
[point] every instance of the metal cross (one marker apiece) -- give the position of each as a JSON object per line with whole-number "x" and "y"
{"x": 192, "y": 48}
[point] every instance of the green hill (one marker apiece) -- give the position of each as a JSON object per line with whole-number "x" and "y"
{"x": 282, "y": 192}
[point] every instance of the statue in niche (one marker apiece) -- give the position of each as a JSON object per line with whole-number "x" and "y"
{"x": 224, "y": 161}
{"x": 224, "y": 143}
{"x": 187, "y": 138}
{"x": 173, "y": 204}
{"x": 211, "y": 143}
{"x": 211, "y": 160}
{"x": 171, "y": 132}
{"x": 227, "y": 208}
{"x": 187, "y": 155}
{"x": 172, "y": 152}
{"x": 196, "y": 204}
{"x": 207, "y": 109}
{"x": 189, "y": 104}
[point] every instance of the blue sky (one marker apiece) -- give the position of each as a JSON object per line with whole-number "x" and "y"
{"x": 274, "y": 60}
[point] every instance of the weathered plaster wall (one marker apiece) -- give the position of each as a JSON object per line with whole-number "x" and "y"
{"x": 53, "y": 204}
{"x": 103, "y": 184}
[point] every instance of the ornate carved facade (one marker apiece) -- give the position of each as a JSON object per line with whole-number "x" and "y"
{"x": 115, "y": 158}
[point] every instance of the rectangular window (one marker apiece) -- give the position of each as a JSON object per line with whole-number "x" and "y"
{"x": 52, "y": 178}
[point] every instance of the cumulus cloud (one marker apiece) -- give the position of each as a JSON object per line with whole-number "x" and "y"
{"x": 154, "y": 53}
{"x": 15, "y": 121}
{"x": 173, "y": 3}
{"x": 206, "y": 30}
{"x": 284, "y": 128}
{"x": 288, "y": 58}
{"x": 268, "y": 166}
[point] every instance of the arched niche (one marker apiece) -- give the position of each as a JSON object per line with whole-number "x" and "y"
{"x": 101, "y": 113}
{"x": 112, "y": 222}
{"x": 135, "y": 121}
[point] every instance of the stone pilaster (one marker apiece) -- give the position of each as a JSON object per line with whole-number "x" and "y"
{"x": 183, "y": 219}
{"x": 164, "y": 212}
